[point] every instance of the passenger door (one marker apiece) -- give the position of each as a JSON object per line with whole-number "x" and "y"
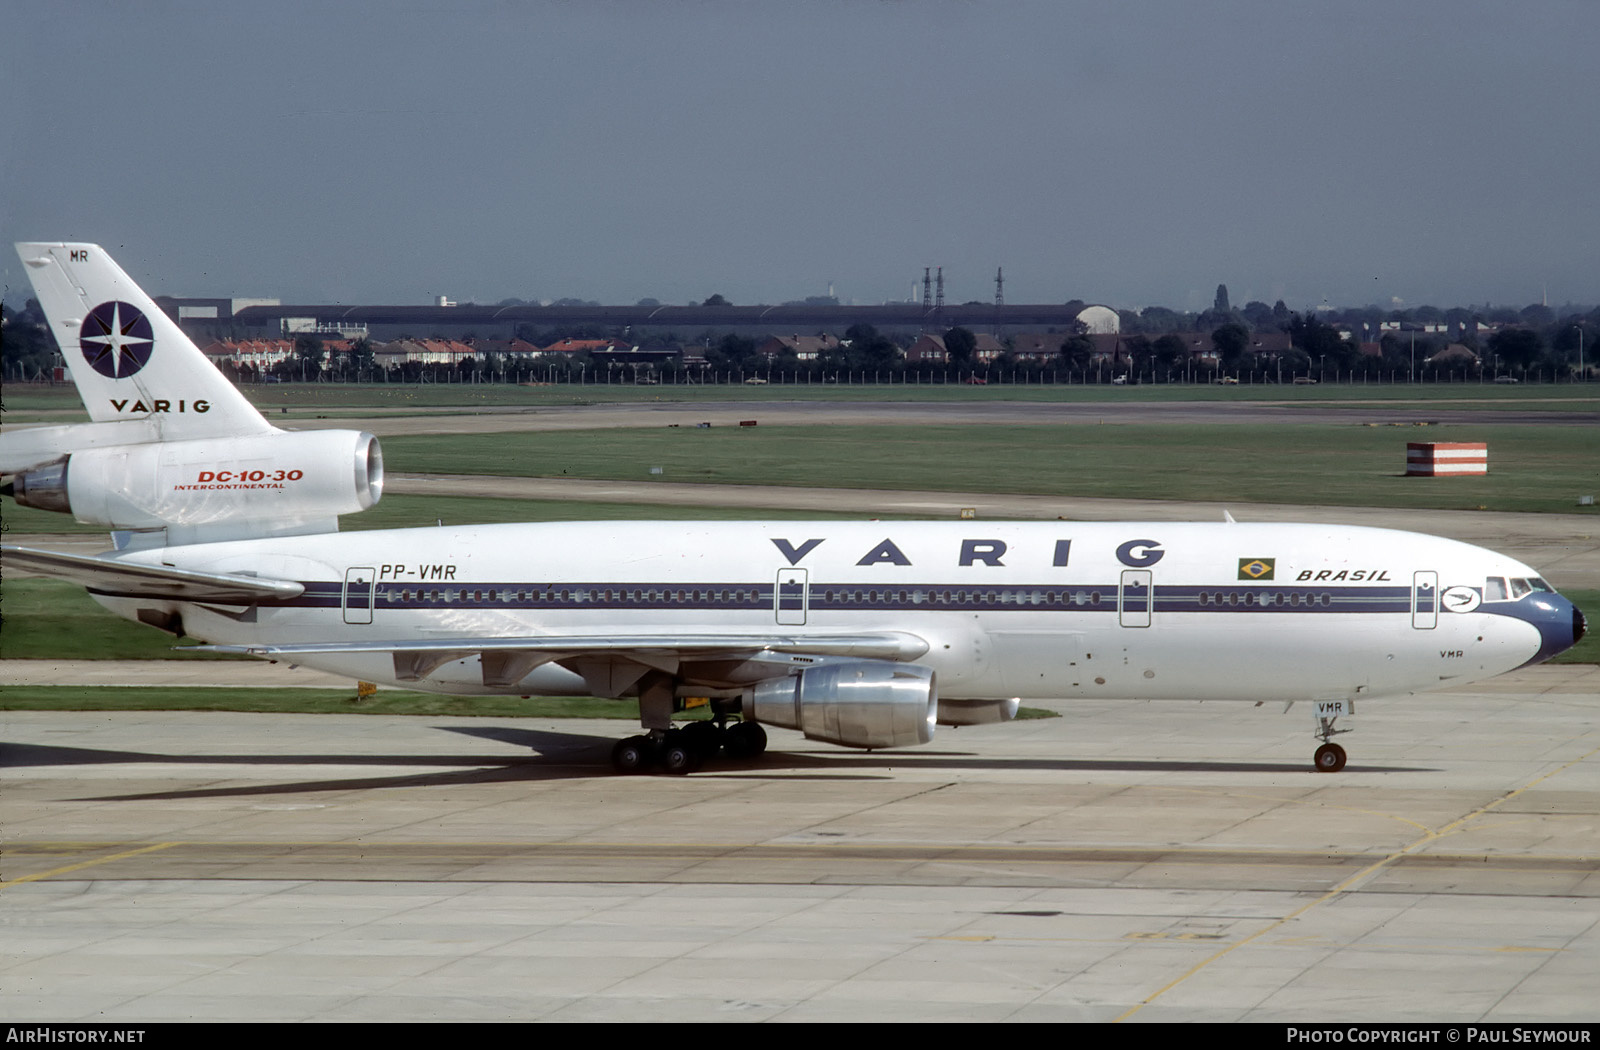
{"x": 358, "y": 595}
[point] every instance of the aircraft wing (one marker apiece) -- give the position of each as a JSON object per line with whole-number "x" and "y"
{"x": 108, "y": 576}
{"x": 608, "y": 662}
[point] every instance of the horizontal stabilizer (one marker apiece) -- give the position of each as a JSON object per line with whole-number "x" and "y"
{"x": 111, "y": 576}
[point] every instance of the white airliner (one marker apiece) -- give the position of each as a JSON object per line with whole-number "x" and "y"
{"x": 864, "y": 634}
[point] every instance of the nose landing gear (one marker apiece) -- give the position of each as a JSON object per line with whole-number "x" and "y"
{"x": 1330, "y": 757}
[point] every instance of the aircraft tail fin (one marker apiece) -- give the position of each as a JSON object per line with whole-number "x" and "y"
{"x": 175, "y": 453}
{"x": 129, "y": 360}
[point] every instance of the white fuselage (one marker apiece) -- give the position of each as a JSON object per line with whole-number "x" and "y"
{"x": 1054, "y": 610}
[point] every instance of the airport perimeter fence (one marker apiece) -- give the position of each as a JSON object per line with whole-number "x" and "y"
{"x": 642, "y": 375}
{"x": 979, "y": 377}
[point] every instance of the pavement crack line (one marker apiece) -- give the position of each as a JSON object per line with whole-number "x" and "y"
{"x": 1352, "y": 884}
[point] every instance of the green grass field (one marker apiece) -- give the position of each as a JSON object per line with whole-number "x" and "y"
{"x": 56, "y": 620}
{"x": 1533, "y": 468}
{"x": 302, "y": 399}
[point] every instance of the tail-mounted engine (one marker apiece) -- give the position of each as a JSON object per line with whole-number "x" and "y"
{"x": 858, "y": 703}
{"x": 258, "y": 484}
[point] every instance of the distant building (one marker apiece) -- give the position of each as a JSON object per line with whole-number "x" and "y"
{"x": 1036, "y": 346}
{"x": 578, "y": 346}
{"x": 1453, "y": 355}
{"x": 503, "y": 347}
{"x": 423, "y": 352}
{"x": 804, "y": 347}
{"x": 1099, "y": 320}
{"x": 927, "y": 348}
{"x": 263, "y": 354}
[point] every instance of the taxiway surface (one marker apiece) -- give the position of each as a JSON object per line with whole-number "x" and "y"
{"x": 1136, "y": 861}
{"x": 1164, "y": 861}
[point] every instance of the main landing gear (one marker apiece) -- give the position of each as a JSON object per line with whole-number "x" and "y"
{"x": 684, "y": 749}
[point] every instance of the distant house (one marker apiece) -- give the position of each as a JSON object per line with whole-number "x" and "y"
{"x": 262, "y": 354}
{"x": 577, "y": 346}
{"x": 503, "y": 347}
{"x": 804, "y": 347}
{"x": 1036, "y": 346}
{"x": 927, "y": 348}
{"x": 1273, "y": 342}
{"x": 422, "y": 351}
{"x": 986, "y": 347}
{"x": 1453, "y": 355}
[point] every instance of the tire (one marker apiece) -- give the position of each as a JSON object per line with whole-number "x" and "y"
{"x": 704, "y": 737}
{"x": 679, "y": 757}
{"x": 745, "y": 740}
{"x": 633, "y": 755}
{"x": 1330, "y": 758}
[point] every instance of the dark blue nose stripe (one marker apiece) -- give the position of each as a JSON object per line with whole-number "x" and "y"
{"x": 1557, "y": 620}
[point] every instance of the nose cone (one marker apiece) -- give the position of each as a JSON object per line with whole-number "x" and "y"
{"x": 1560, "y": 624}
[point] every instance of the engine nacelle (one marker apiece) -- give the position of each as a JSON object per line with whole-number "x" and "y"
{"x": 857, "y": 703}
{"x": 977, "y": 712}
{"x": 264, "y": 480}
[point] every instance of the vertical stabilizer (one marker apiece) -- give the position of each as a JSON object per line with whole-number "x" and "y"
{"x": 130, "y": 361}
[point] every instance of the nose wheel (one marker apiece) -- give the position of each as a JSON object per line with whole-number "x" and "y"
{"x": 1329, "y": 758}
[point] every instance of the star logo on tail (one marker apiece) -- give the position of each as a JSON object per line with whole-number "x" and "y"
{"x": 116, "y": 339}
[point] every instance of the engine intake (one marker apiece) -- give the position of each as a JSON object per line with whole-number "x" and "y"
{"x": 857, "y": 703}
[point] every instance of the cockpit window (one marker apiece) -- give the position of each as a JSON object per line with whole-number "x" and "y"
{"x": 1539, "y": 585}
{"x": 1519, "y": 587}
{"x": 1494, "y": 589}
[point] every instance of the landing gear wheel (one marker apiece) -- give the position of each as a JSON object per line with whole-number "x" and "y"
{"x": 744, "y": 740}
{"x": 704, "y": 737}
{"x": 633, "y": 755}
{"x": 679, "y": 755}
{"x": 1329, "y": 759}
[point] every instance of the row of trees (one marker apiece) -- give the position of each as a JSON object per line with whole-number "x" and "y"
{"x": 1259, "y": 316}
{"x": 1556, "y": 348}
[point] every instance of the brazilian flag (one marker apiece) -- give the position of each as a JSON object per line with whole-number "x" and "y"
{"x": 1255, "y": 568}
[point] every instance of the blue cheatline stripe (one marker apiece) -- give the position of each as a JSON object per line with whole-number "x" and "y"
{"x": 857, "y": 597}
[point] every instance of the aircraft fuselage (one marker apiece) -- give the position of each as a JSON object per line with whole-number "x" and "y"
{"x": 1052, "y": 610}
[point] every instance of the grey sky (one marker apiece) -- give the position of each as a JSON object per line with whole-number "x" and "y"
{"x": 1439, "y": 151}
